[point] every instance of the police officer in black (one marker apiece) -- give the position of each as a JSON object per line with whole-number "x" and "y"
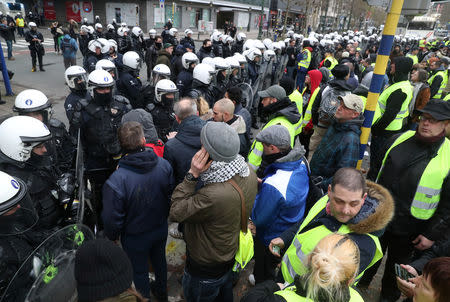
{"x": 129, "y": 85}
{"x": 98, "y": 121}
{"x": 203, "y": 75}
{"x": 185, "y": 77}
{"x": 94, "y": 55}
{"x": 76, "y": 79}
{"x": 35, "y": 39}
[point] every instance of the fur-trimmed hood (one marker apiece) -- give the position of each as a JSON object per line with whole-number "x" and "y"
{"x": 376, "y": 213}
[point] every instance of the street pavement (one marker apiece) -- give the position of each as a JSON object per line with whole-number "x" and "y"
{"x": 52, "y": 84}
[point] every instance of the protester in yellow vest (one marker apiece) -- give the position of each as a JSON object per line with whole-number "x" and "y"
{"x": 332, "y": 268}
{"x": 392, "y": 111}
{"x": 20, "y": 23}
{"x": 415, "y": 169}
{"x": 329, "y": 62}
{"x": 351, "y": 206}
{"x": 279, "y": 110}
{"x": 304, "y": 60}
{"x": 413, "y": 55}
{"x": 438, "y": 79}
{"x": 294, "y": 95}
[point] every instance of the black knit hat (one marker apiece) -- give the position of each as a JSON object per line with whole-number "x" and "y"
{"x": 340, "y": 71}
{"x": 102, "y": 270}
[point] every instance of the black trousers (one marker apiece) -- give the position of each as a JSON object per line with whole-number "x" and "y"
{"x": 399, "y": 250}
{"x": 34, "y": 53}
{"x": 265, "y": 262}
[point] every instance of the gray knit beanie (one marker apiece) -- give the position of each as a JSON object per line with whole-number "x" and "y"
{"x": 221, "y": 141}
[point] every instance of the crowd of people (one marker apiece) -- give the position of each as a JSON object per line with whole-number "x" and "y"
{"x": 251, "y": 147}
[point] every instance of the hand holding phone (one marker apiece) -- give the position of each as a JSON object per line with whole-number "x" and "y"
{"x": 402, "y": 273}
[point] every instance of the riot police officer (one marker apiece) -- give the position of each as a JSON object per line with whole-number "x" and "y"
{"x": 137, "y": 41}
{"x": 35, "y": 39}
{"x": 129, "y": 85}
{"x": 95, "y": 54}
{"x": 188, "y": 39}
{"x": 203, "y": 76}
{"x": 76, "y": 79}
{"x": 98, "y": 121}
{"x": 23, "y": 155}
{"x": 61, "y": 148}
{"x": 166, "y": 94}
{"x": 184, "y": 80}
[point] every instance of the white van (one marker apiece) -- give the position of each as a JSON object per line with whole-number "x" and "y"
{"x": 12, "y": 8}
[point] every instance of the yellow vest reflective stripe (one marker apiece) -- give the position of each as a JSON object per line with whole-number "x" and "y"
{"x": 297, "y": 98}
{"x": 308, "y": 114}
{"x": 422, "y": 43}
{"x": 306, "y": 61}
{"x": 295, "y": 258}
{"x": 413, "y": 57}
{"x": 254, "y": 158}
{"x": 290, "y": 295}
{"x": 397, "y": 123}
{"x": 428, "y": 192}
{"x": 444, "y": 76}
{"x": 333, "y": 62}
{"x": 20, "y": 22}
{"x": 364, "y": 100}
{"x": 447, "y": 97}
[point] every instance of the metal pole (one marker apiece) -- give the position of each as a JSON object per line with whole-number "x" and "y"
{"x": 378, "y": 74}
{"x": 5, "y": 73}
{"x": 285, "y": 17}
{"x": 261, "y": 17}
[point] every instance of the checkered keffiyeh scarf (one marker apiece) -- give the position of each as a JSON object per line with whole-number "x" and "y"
{"x": 220, "y": 171}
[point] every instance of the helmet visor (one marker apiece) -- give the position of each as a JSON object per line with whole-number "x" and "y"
{"x": 17, "y": 215}
{"x": 78, "y": 81}
{"x": 156, "y": 77}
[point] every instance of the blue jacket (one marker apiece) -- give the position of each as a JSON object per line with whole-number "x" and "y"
{"x": 281, "y": 200}
{"x": 69, "y": 47}
{"x": 180, "y": 149}
{"x": 136, "y": 197}
{"x": 339, "y": 148}
{"x": 130, "y": 87}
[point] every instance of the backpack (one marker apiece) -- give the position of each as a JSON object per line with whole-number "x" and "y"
{"x": 65, "y": 44}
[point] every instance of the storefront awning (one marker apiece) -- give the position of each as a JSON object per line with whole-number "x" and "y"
{"x": 228, "y": 4}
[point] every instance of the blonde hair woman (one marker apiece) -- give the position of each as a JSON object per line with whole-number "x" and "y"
{"x": 332, "y": 268}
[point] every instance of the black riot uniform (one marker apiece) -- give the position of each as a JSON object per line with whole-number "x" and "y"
{"x": 129, "y": 85}
{"x": 202, "y": 90}
{"x": 163, "y": 118}
{"x": 35, "y": 47}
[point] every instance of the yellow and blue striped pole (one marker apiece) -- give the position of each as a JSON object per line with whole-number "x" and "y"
{"x": 378, "y": 74}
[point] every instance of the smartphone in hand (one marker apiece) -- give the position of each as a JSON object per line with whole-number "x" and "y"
{"x": 402, "y": 273}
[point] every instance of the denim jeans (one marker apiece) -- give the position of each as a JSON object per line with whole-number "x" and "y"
{"x": 198, "y": 289}
{"x": 141, "y": 247}
{"x": 9, "y": 44}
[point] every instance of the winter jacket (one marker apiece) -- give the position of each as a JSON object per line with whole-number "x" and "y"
{"x": 217, "y": 48}
{"x": 338, "y": 149}
{"x": 136, "y": 197}
{"x": 373, "y": 218}
{"x": 130, "y": 87}
{"x": 69, "y": 47}
{"x": 239, "y": 110}
{"x": 238, "y": 124}
{"x": 212, "y": 220}
{"x": 201, "y": 90}
{"x": 237, "y": 47}
{"x": 164, "y": 58}
{"x": 7, "y": 32}
{"x": 184, "y": 82}
{"x": 202, "y": 53}
{"x": 401, "y": 174}
{"x": 281, "y": 199}
{"x": 180, "y": 149}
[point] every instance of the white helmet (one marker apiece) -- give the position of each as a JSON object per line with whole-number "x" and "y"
{"x": 188, "y": 31}
{"x": 269, "y": 54}
{"x": 152, "y": 33}
{"x": 109, "y": 27}
{"x": 137, "y": 31}
{"x": 123, "y": 24}
{"x": 220, "y": 63}
{"x": 268, "y": 43}
{"x": 277, "y": 46}
{"x": 105, "y": 45}
{"x": 163, "y": 87}
{"x": 76, "y": 77}
{"x": 99, "y": 78}
{"x": 241, "y": 58}
{"x": 32, "y": 24}
{"x": 93, "y": 44}
{"x": 216, "y": 36}
{"x": 241, "y": 37}
{"x": 204, "y": 73}
{"x": 248, "y": 44}
{"x": 132, "y": 60}
{"x": 20, "y": 134}
{"x": 229, "y": 39}
{"x": 188, "y": 58}
{"x": 107, "y": 65}
{"x": 84, "y": 28}
{"x": 31, "y": 100}
{"x": 209, "y": 61}
{"x": 98, "y": 25}
{"x": 112, "y": 43}
{"x": 121, "y": 31}
{"x": 253, "y": 53}
{"x": 290, "y": 33}
{"x": 258, "y": 44}
{"x": 159, "y": 72}
{"x": 90, "y": 29}
{"x": 233, "y": 62}
{"x": 173, "y": 31}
